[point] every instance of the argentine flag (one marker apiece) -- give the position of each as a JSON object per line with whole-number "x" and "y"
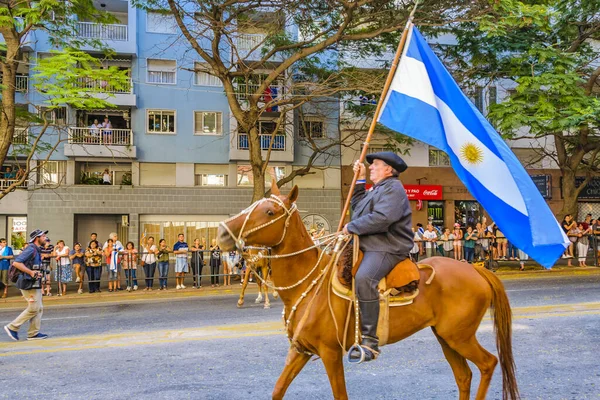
{"x": 425, "y": 103}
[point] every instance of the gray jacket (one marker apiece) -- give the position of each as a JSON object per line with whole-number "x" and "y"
{"x": 382, "y": 218}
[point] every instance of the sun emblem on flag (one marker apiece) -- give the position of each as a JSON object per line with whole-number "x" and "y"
{"x": 471, "y": 153}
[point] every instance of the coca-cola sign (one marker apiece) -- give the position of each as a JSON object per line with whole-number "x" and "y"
{"x": 423, "y": 192}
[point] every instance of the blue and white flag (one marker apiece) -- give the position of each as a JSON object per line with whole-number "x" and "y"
{"x": 425, "y": 103}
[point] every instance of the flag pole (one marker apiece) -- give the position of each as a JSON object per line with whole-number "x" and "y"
{"x": 384, "y": 93}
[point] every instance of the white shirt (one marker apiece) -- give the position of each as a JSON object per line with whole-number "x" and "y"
{"x": 106, "y": 177}
{"x": 64, "y": 255}
{"x": 149, "y": 258}
{"x": 429, "y": 235}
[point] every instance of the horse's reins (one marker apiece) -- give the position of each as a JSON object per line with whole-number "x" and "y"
{"x": 318, "y": 281}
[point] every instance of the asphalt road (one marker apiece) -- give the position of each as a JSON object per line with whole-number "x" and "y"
{"x": 206, "y": 348}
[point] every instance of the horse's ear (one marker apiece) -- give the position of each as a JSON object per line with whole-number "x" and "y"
{"x": 293, "y": 196}
{"x": 274, "y": 187}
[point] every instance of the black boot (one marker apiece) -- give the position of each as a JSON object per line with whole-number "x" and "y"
{"x": 369, "y": 316}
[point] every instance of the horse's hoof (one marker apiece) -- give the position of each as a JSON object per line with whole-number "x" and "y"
{"x": 267, "y": 306}
{"x": 258, "y": 300}
{"x": 240, "y": 303}
{"x": 275, "y": 295}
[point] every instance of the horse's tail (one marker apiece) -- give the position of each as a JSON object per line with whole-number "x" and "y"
{"x": 502, "y": 317}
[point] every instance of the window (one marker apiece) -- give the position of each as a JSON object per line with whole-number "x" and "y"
{"x": 162, "y": 71}
{"x": 467, "y": 213}
{"x": 161, "y": 122}
{"x": 245, "y": 177}
{"x": 208, "y": 123}
{"x": 211, "y": 180}
{"x": 204, "y": 78}
{"x": 493, "y": 95}
{"x": 438, "y": 158}
{"x": 375, "y": 149}
{"x": 478, "y": 98}
{"x": 55, "y": 116}
{"x": 52, "y": 172}
{"x": 313, "y": 127}
{"x": 266, "y": 129}
{"x": 157, "y": 22}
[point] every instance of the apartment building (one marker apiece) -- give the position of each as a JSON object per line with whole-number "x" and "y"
{"x": 177, "y": 161}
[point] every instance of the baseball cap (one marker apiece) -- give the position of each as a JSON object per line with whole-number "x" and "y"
{"x": 36, "y": 234}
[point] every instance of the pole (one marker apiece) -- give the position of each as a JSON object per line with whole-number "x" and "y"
{"x": 384, "y": 93}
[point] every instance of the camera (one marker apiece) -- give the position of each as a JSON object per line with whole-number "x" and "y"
{"x": 41, "y": 276}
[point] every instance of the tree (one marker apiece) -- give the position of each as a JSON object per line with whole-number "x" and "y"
{"x": 253, "y": 47}
{"x": 547, "y": 49}
{"x": 57, "y": 78}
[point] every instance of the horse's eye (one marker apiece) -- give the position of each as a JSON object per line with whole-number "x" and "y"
{"x": 271, "y": 213}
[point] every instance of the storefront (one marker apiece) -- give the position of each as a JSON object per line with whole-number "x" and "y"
{"x": 588, "y": 201}
{"x": 432, "y": 194}
{"x": 467, "y": 213}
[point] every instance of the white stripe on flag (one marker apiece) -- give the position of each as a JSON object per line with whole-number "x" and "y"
{"x": 413, "y": 80}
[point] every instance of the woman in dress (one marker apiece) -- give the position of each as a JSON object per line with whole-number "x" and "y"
{"x": 457, "y": 243}
{"x": 76, "y": 256}
{"x": 64, "y": 272}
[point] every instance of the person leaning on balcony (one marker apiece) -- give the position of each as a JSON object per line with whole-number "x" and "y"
{"x": 9, "y": 173}
{"x": 107, "y": 131}
{"x": 106, "y": 177}
{"x": 95, "y": 132}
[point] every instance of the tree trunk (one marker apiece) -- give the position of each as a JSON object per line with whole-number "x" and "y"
{"x": 257, "y": 163}
{"x": 7, "y": 116}
{"x": 569, "y": 192}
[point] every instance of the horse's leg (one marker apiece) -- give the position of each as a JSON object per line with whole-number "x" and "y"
{"x": 293, "y": 365}
{"x": 265, "y": 272}
{"x": 332, "y": 359}
{"x": 244, "y": 285}
{"x": 460, "y": 368}
{"x": 259, "y": 299}
{"x": 483, "y": 359}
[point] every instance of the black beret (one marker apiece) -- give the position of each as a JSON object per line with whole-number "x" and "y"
{"x": 390, "y": 158}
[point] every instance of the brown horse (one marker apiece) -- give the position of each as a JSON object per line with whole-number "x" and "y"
{"x": 453, "y": 305}
{"x": 261, "y": 265}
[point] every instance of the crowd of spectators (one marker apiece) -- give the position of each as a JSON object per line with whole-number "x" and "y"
{"x": 110, "y": 261}
{"x": 483, "y": 241}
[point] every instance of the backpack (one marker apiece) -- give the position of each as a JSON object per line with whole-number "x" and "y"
{"x": 13, "y": 273}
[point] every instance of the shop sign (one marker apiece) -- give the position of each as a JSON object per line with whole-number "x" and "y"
{"x": 543, "y": 184}
{"x": 423, "y": 192}
{"x": 19, "y": 225}
{"x": 591, "y": 190}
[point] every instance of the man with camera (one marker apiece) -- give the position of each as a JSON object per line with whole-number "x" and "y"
{"x": 29, "y": 262}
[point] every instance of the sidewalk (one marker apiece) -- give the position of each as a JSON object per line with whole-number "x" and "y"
{"x": 14, "y": 301}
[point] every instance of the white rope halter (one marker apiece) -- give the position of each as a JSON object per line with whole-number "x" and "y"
{"x": 239, "y": 239}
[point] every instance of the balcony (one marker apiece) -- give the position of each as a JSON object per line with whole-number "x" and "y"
{"x": 6, "y": 183}
{"x": 21, "y": 136}
{"x": 22, "y": 83}
{"x": 250, "y": 41}
{"x": 120, "y": 97}
{"x": 94, "y": 142}
{"x": 93, "y": 30}
{"x": 265, "y": 142}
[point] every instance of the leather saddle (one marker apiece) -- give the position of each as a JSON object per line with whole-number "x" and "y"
{"x": 402, "y": 280}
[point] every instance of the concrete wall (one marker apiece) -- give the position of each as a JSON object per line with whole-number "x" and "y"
{"x": 55, "y": 210}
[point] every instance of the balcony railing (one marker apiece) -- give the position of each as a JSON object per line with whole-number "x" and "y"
{"x": 88, "y": 83}
{"x": 6, "y": 183}
{"x": 21, "y": 136}
{"x": 272, "y": 92}
{"x": 99, "y": 136}
{"x": 92, "y": 30}
{"x": 22, "y": 83}
{"x": 265, "y": 142}
{"x": 249, "y": 41}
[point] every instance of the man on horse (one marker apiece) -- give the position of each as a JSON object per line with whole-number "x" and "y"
{"x": 382, "y": 220}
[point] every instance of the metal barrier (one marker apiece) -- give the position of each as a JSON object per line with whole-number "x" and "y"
{"x": 196, "y": 261}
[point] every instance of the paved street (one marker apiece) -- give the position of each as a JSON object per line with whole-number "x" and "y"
{"x": 206, "y": 348}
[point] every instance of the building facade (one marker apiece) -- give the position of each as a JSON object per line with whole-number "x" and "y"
{"x": 176, "y": 160}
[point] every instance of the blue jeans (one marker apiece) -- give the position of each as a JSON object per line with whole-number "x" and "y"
{"x": 469, "y": 252}
{"x": 163, "y": 272}
{"x": 131, "y": 274}
{"x": 149, "y": 272}
{"x": 512, "y": 251}
{"x": 94, "y": 274}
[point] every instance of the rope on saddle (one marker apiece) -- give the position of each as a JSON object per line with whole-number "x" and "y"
{"x": 334, "y": 271}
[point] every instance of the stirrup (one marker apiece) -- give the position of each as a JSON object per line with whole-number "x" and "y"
{"x": 356, "y": 348}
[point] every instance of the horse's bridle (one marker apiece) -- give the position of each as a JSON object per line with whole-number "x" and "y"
{"x": 239, "y": 240}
